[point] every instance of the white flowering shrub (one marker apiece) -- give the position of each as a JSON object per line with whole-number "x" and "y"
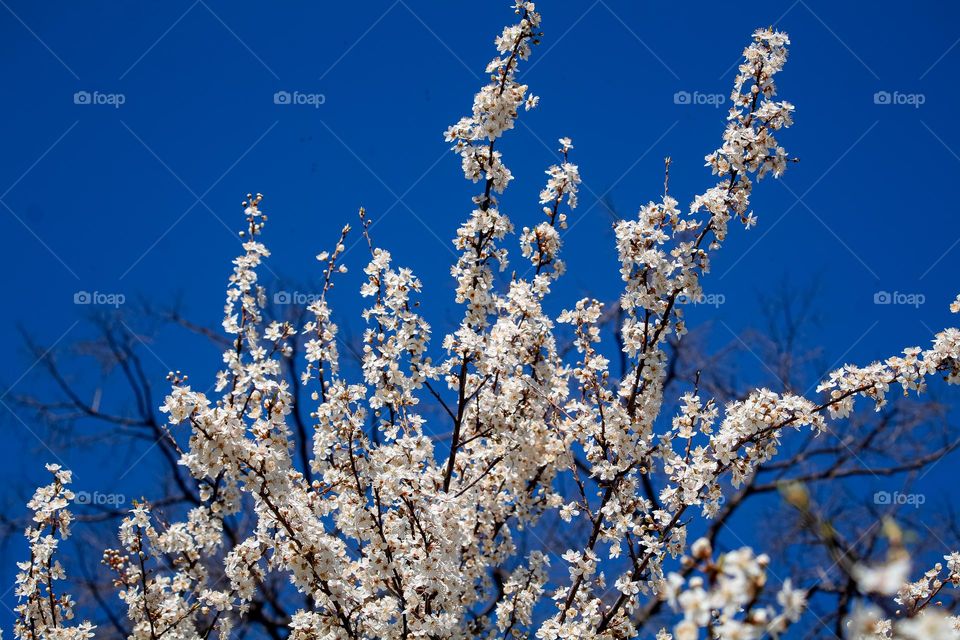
{"x": 391, "y": 533}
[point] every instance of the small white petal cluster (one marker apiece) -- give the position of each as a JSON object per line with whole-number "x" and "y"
{"x": 541, "y": 244}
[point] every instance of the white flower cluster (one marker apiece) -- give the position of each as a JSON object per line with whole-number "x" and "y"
{"x": 917, "y": 617}
{"x": 164, "y": 577}
{"x": 724, "y": 599}
{"x": 495, "y": 108}
{"x": 909, "y": 371}
{"x": 541, "y": 245}
{"x": 44, "y": 612}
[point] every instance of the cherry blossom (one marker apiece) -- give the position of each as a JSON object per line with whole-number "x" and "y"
{"x": 392, "y": 532}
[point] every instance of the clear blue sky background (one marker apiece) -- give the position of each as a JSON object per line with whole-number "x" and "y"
{"x": 143, "y": 199}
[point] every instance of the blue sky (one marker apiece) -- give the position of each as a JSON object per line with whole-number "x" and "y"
{"x": 142, "y": 198}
